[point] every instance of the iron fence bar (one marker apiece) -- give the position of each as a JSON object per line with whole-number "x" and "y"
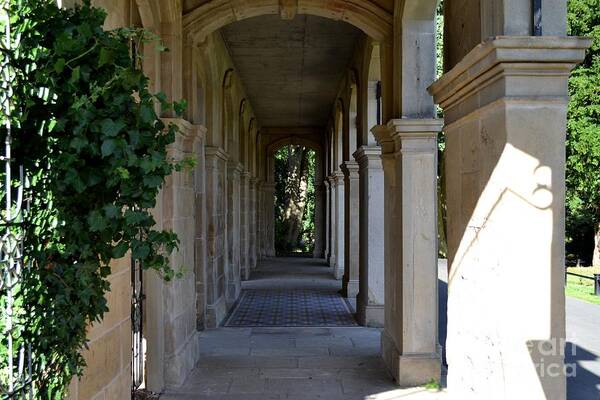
{"x": 579, "y": 276}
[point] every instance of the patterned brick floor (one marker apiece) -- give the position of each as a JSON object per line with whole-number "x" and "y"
{"x": 291, "y": 307}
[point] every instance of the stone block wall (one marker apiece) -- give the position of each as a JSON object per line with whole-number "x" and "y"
{"x": 108, "y": 372}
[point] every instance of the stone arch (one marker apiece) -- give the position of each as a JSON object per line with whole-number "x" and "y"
{"x": 353, "y": 118}
{"x": 368, "y": 16}
{"x": 227, "y": 111}
{"x": 243, "y": 134}
{"x": 294, "y": 140}
{"x": 371, "y": 101}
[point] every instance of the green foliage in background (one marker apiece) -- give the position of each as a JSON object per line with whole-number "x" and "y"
{"x": 86, "y": 131}
{"x": 294, "y": 199}
{"x": 583, "y": 135}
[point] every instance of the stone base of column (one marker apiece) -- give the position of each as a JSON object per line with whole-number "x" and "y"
{"x": 215, "y": 313}
{"x": 371, "y": 315}
{"x": 338, "y": 270}
{"x": 409, "y": 370}
{"x": 233, "y": 293}
{"x": 350, "y": 288}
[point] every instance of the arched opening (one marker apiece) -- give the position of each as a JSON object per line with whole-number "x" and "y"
{"x": 295, "y": 178}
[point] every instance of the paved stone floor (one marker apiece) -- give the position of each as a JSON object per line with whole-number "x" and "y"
{"x": 303, "y": 363}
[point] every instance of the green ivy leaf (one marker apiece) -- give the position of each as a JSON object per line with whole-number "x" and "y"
{"x": 75, "y": 74}
{"x": 59, "y": 65}
{"x": 108, "y": 147}
{"x": 96, "y": 221}
{"x": 111, "y": 128}
{"x": 120, "y": 250}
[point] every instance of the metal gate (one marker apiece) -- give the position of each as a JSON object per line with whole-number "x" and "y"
{"x": 15, "y": 355}
{"x": 137, "y": 322}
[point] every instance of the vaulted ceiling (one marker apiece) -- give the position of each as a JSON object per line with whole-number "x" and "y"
{"x": 291, "y": 69}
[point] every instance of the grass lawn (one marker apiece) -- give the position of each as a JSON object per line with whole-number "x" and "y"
{"x": 580, "y": 288}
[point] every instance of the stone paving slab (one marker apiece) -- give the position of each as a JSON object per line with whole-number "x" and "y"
{"x": 292, "y": 363}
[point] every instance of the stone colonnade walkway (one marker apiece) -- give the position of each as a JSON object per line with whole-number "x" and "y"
{"x": 330, "y": 362}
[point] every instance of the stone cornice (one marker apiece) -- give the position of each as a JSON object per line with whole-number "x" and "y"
{"x": 509, "y": 56}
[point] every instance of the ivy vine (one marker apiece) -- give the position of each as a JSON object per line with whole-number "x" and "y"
{"x": 85, "y": 128}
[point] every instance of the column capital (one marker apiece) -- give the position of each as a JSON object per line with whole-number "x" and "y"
{"x": 383, "y": 138}
{"x": 350, "y": 169}
{"x": 368, "y": 156}
{"x": 337, "y": 176}
{"x": 414, "y": 128}
{"x": 235, "y": 167}
{"x": 326, "y": 183}
{"x": 215, "y": 152}
{"x": 510, "y": 67}
{"x": 268, "y": 186}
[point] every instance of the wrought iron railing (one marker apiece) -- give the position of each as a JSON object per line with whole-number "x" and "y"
{"x": 15, "y": 354}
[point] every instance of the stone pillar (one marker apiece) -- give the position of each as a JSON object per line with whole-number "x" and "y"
{"x": 370, "y": 300}
{"x": 233, "y": 275}
{"x": 319, "y": 221}
{"x": 351, "y": 229}
{"x": 216, "y": 309}
{"x": 505, "y": 112}
{"x": 327, "y": 211}
{"x": 245, "y": 228}
{"x": 269, "y": 218}
{"x": 200, "y": 227}
{"x": 338, "y": 267}
{"x": 410, "y": 340}
{"x": 260, "y": 220}
{"x": 252, "y": 225}
{"x": 332, "y": 222}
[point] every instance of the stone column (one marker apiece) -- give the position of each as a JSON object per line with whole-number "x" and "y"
{"x": 269, "y": 218}
{"x": 245, "y": 229}
{"x": 370, "y": 300}
{"x": 252, "y": 225}
{"x": 216, "y": 309}
{"x": 505, "y": 113}
{"x": 318, "y": 250}
{"x": 332, "y": 223}
{"x": 233, "y": 276}
{"x": 338, "y": 268}
{"x": 351, "y": 229}
{"x": 327, "y": 222}
{"x": 410, "y": 340}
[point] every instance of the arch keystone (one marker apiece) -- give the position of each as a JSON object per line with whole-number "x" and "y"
{"x": 288, "y": 9}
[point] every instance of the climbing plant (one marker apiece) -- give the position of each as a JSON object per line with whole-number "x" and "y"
{"x": 86, "y": 130}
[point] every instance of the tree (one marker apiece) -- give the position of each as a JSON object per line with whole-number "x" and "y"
{"x": 294, "y": 177}
{"x": 583, "y": 138}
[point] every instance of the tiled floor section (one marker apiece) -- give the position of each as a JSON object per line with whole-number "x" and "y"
{"x": 333, "y": 363}
{"x": 291, "y": 307}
